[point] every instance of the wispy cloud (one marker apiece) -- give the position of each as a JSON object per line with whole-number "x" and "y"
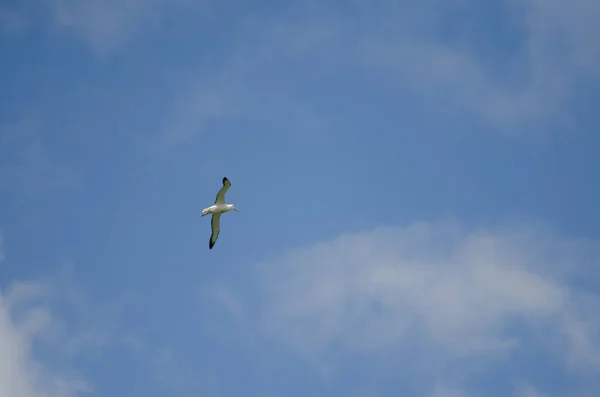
{"x": 25, "y": 320}
{"x": 555, "y": 51}
{"x": 103, "y": 27}
{"x": 526, "y": 390}
{"x": 401, "y": 47}
{"x": 442, "y": 391}
{"x": 437, "y": 293}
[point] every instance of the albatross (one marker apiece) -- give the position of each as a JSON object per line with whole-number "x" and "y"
{"x": 218, "y": 208}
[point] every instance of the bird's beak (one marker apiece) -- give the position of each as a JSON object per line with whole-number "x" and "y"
{"x": 237, "y": 210}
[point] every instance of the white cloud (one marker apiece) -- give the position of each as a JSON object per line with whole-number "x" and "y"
{"x": 44, "y": 326}
{"x": 25, "y": 319}
{"x": 435, "y": 291}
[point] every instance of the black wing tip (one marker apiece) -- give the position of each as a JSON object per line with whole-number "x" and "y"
{"x": 225, "y": 180}
{"x": 210, "y": 245}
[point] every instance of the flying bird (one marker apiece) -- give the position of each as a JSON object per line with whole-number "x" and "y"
{"x": 218, "y": 208}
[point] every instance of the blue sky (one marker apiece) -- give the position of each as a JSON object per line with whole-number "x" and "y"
{"x": 417, "y": 185}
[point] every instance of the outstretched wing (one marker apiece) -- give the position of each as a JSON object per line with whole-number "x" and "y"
{"x": 221, "y": 195}
{"x": 216, "y": 228}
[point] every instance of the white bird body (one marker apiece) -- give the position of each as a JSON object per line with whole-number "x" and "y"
{"x": 217, "y": 209}
{"x": 220, "y": 208}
